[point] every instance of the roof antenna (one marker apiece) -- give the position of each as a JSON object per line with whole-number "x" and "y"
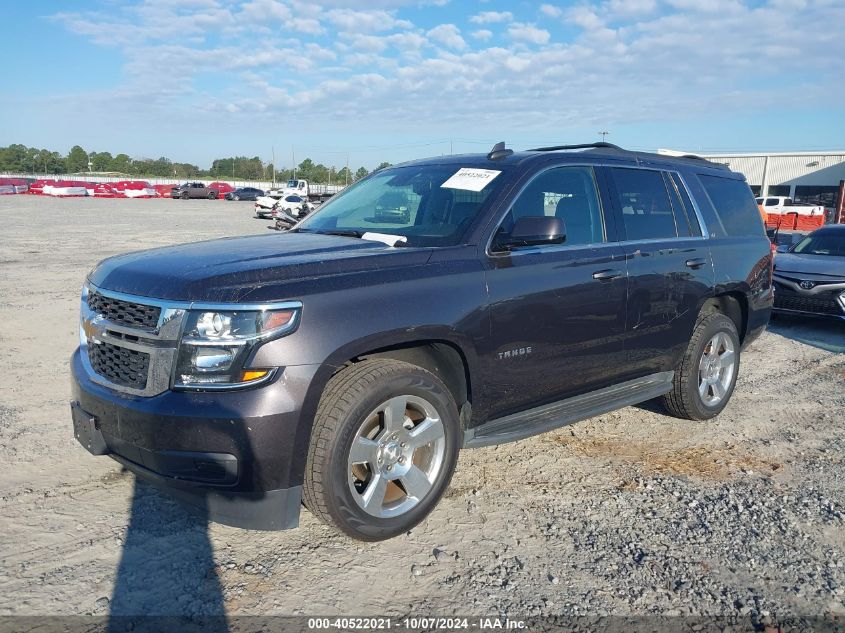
{"x": 499, "y": 151}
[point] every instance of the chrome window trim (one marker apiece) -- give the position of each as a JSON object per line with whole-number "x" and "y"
{"x": 163, "y": 342}
{"x": 557, "y": 247}
{"x": 497, "y": 254}
{"x": 551, "y": 248}
{"x": 701, "y": 223}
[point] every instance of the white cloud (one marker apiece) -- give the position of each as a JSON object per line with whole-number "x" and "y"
{"x": 629, "y": 8}
{"x": 528, "y": 33}
{"x": 351, "y": 20}
{"x": 385, "y": 71}
{"x": 491, "y": 17}
{"x": 551, "y": 10}
{"x": 585, "y": 17}
{"x": 449, "y": 35}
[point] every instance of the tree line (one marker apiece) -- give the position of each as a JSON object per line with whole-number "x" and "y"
{"x": 18, "y": 158}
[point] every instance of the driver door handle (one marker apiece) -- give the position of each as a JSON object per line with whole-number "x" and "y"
{"x": 698, "y": 262}
{"x": 607, "y": 275}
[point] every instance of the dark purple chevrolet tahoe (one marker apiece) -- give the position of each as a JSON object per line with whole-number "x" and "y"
{"x": 441, "y": 304}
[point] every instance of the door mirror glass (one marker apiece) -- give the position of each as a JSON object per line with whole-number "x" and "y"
{"x": 783, "y": 248}
{"x": 535, "y": 231}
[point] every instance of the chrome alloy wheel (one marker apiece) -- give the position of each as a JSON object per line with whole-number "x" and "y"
{"x": 396, "y": 456}
{"x": 716, "y": 369}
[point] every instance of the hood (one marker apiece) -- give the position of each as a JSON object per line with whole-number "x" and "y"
{"x": 815, "y": 265}
{"x": 232, "y": 269}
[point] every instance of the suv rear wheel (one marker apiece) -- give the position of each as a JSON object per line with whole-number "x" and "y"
{"x": 705, "y": 380}
{"x": 383, "y": 449}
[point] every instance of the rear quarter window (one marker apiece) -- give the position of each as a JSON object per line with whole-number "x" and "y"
{"x": 734, "y": 205}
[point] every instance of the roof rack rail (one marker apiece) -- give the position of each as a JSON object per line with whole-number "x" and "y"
{"x": 579, "y": 146}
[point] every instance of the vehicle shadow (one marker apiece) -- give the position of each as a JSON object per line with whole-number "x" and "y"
{"x": 825, "y": 334}
{"x": 167, "y": 573}
{"x": 167, "y": 578}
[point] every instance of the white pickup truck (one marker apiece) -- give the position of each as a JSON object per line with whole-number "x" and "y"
{"x": 781, "y": 205}
{"x": 313, "y": 193}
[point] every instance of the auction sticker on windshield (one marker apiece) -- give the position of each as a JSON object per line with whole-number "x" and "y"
{"x": 470, "y": 179}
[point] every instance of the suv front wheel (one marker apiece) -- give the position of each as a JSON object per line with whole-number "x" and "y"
{"x": 705, "y": 380}
{"x": 383, "y": 449}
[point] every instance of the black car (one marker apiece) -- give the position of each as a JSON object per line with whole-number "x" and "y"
{"x": 244, "y": 193}
{"x": 344, "y": 363}
{"x": 810, "y": 275}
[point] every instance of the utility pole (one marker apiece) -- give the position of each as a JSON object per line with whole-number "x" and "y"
{"x": 293, "y": 158}
{"x": 451, "y": 153}
{"x": 273, "y": 150}
{"x": 603, "y": 135}
{"x": 347, "y": 170}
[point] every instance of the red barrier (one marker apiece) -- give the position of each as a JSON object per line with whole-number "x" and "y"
{"x": 164, "y": 191}
{"x": 222, "y": 188}
{"x": 103, "y": 190}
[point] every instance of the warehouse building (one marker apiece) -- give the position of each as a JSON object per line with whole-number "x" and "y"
{"x": 813, "y": 178}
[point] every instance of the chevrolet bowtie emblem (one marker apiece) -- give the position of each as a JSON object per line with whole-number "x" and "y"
{"x": 90, "y": 328}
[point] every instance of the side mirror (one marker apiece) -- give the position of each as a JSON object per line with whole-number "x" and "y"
{"x": 535, "y": 231}
{"x": 783, "y": 248}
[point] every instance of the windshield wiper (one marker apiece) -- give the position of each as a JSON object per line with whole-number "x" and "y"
{"x": 341, "y": 232}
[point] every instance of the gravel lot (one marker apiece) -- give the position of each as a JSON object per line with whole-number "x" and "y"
{"x": 629, "y": 513}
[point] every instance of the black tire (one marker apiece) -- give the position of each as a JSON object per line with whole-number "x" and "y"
{"x": 684, "y": 400}
{"x": 212, "y": 195}
{"x": 236, "y": 198}
{"x": 350, "y": 396}
{"x": 185, "y": 195}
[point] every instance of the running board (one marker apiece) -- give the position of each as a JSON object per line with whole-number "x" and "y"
{"x": 518, "y": 426}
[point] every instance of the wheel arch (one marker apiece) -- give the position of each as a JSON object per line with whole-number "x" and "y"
{"x": 442, "y": 351}
{"x": 734, "y": 305}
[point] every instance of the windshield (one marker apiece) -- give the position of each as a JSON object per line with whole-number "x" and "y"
{"x": 822, "y": 244}
{"x": 429, "y": 205}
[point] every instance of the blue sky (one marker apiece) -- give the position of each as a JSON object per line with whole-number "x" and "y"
{"x": 198, "y": 79}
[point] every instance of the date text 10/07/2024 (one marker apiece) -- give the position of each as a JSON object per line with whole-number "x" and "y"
{"x": 417, "y": 623}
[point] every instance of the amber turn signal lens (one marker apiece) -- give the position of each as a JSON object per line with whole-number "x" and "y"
{"x": 277, "y": 319}
{"x": 253, "y": 374}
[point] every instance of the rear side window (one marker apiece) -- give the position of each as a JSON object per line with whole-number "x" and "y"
{"x": 646, "y": 209}
{"x": 734, "y": 205}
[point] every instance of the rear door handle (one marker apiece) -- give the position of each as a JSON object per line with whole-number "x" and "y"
{"x": 607, "y": 275}
{"x": 698, "y": 262}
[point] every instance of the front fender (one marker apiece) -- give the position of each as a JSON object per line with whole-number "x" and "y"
{"x": 359, "y": 347}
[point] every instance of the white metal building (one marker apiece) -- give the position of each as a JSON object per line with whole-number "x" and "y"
{"x": 808, "y": 177}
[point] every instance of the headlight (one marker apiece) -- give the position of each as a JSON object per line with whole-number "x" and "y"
{"x": 216, "y": 345}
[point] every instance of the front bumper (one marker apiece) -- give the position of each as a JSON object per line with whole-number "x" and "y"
{"x": 233, "y": 454}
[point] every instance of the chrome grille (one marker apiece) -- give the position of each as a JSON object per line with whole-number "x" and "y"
{"x": 124, "y": 312}
{"x": 129, "y": 343}
{"x": 120, "y": 365}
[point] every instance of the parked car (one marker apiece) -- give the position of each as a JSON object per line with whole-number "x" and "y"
{"x": 244, "y": 193}
{"x": 294, "y": 204}
{"x": 344, "y": 363}
{"x": 809, "y": 276}
{"x": 193, "y": 190}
